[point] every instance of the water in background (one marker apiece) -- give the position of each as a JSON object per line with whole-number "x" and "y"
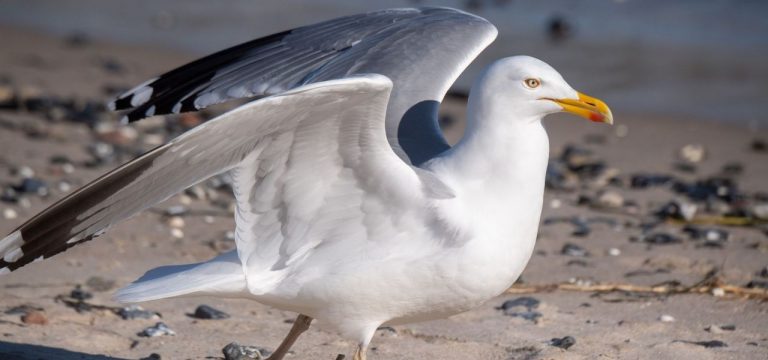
{"x": 690, "y": 58}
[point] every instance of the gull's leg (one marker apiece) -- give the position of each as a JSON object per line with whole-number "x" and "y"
{"x": 360, "y": 353}
{"x": 299, "y": 326}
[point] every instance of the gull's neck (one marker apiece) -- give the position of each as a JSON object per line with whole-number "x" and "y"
{"x": 498, "y": 168}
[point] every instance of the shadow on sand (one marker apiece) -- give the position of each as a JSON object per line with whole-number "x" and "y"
{"x": 35, "y": 352}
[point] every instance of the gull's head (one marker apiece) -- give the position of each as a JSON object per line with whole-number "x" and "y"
{"x": 533, "y": 88}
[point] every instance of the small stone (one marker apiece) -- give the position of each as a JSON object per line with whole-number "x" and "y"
{"x": 137, "y": 312}
{"x": 708, "y": 344}
{"x": 9, "y": 214}
{"x": 100, "y": 284}
{"x": 22, "y": 309}
{"x": 176, "y": 210}
{"x": 763, "y": 272}
{"x": 661, "y": 238}
{"x": 208, "y": 219}
{"x": 571, "y": 249}
{"x": 24, "y": 172}
{"x": 34, "y": 317}
{"x": 64, "y": 187}
{"x": 666, "y": 318}
{"x": 610, "y": 200}
{"x": 235, "y": 351}
{"x": 718, "y": 292}
{"x": 757, "y": 284}
{"x": 719, "y": 329}
{"x": 555, "y": 203}
{"x": 614, "y": 252}
{"x": 525, "y": 301}
{"x": 79, "y": 294}
{"x": 642, "y": 181}
{"x": 176, "y": 222}
{"x": 759, "y": 145}
{"x": 209, "y": 313}
{"x": 32, "y": 186}
{"x": 693, "y": 153}
{"x": 177, "y": 233}
{"x": 152, "y": 356}
{"x": 160, "y": 329}
{"x": 564, "y": 342}
{"x": 760, "y": 211}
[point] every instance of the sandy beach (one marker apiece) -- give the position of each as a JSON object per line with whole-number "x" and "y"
{"x": 598, "y": 228}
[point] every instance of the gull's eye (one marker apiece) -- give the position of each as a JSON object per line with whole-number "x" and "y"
{"x": 532, "y": 83}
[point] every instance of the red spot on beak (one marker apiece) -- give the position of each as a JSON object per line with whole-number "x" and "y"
{"x": 596, "y": 117}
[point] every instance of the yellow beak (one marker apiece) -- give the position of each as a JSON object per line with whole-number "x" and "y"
{"x": 587, "y": 107}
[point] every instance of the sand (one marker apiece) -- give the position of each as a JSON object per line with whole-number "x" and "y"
{"x": 611, "y": 326}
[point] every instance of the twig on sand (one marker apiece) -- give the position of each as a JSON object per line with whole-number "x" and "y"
{"x": 711, "y": 285}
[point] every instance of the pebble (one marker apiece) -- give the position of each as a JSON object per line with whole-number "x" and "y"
{"x": 719, "y": 329}
{"x": 10, "y": 195}
{"x": 34, "y": 317}
{"x": 207, "y": 312}
{"x": 160, "y": 329}
{"x": 79, "y": 294}
{"x": 694, "y": 153}
{"x": 177, "y": 233}
{"x": 24, "y": 172}
{"x": 571, "y": 249}
{"x": 32, "y": 186}
{"x": 759, "y": 145}
{"x": 661, "y": 238}
{"x": 718, "y": 292}
{"x": 677, "y": 210}
{"x": 642, "y": 181}
{"x": 666, "y": 318}
{"x": 563, "y": 343}
{"x": 758, "y": 284}
{"x": 100, "y": 284}
{"x": 706, "y": 344}
{"x": 9, "y": 214}
{"x": 610, "y": 200}
{"x": 137, "y": 312}
{"x": 522, "y": 307}
{"x": 763, "y": 272}
{"x": 614, "y": 252}
{"x": 176, "y": 222}
{"x": 22, "y": 309}
{"x": 760, "y": 211}
{"x": 152, "y": 356}
{"x": 235, "y": 351}
{"x": 711, "y": 237}
{"x": 176, "y": 210}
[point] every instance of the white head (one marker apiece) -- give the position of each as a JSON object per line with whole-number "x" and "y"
{"x": 530, "y": 88}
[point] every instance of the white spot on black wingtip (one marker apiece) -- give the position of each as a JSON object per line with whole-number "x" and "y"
{"x": 176, "y": 108}
{"x": 150, "y": 111}
{"x": 4, "y": 271}
{"x": 11, "y": 242}
{"x": 13, "y": 255}
{"x": 124, "y": 120}
{"x": 111, "y": 106}
{"x": 141, "y": 96}
{"x": 39, "y": 258}
{"x": 207, "y": 99}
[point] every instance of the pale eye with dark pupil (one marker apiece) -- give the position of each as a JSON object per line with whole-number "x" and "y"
{"x": 532, "y": 83}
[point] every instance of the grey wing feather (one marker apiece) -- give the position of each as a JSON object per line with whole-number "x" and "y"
{"x": 422, "y": 50}
{"x": 212, "y": 148}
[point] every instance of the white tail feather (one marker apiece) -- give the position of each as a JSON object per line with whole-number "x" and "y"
{"x": 220, "y": 276}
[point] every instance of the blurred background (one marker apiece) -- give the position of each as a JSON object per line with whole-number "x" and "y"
{"x": 707, "y": 59}
{"x": 670, "y": 203}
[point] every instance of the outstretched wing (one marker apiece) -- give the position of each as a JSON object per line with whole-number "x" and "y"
{"x": 350, "y": 110}
{"x": 422, "y": 51}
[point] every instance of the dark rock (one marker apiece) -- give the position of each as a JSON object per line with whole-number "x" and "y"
{"x": 571, "y": 249}
{"x": 100, "y": 284}
{"x": 661, "y": 238}
{"x": 706, "y": 344}
{"x": 79, "y": 294}
{"x": 642, "y": 181}
{"x": 558, "y": 29}
{"x": 763, "y": 272}
{"x": 708, "y": 189}
{"x": 10, "y": 195}
{"x": 207, "y": 312}
{"x": 32, "y": 186}
{"x": 160, "y": 329}
{"x": 758, "y": 284}
{"x": 732, "y": 169}
{"x": 524, "y": 301}
{"x": 77, "y": 40}
{"x": 235, "y": 351}
{"x": 716, "y": 329}
{"x": 711, "y": 237}
{"x": 152, "y": 356}
{"x": 137, "y": 312}
{"x": 22, "y": 309}
{"x": 759, "y": 145}
{"x": 582, "y": 227}
{"x": 677, "y": 211}
{"x": 563, "y": 343}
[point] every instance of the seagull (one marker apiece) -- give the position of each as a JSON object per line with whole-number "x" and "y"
{"x": 352, "y": 209}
